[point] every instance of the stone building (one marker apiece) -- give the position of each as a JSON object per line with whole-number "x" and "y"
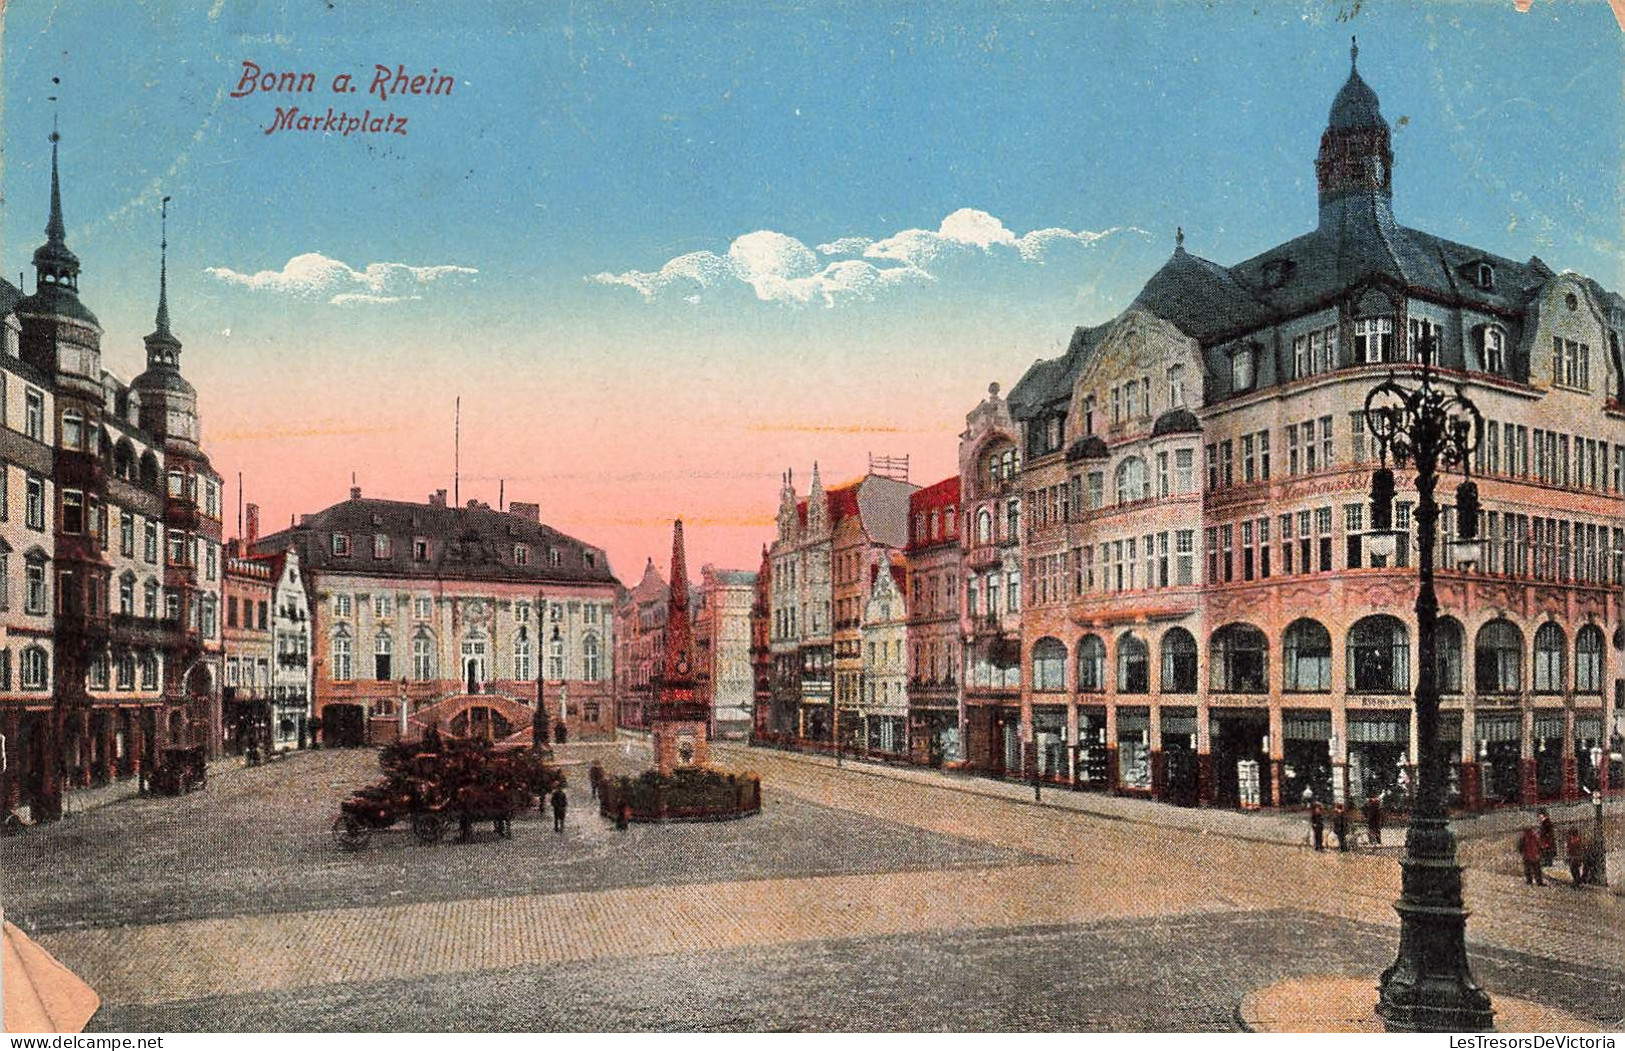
{"x": 458, "y": 612}
{"x": 761, "y": 647}
{"x": 883, "y": 702}
{"x": 934, "y": 559}
{"x": 1182, "y": 509}
{"x": 640, "y": 621}
{"x": 114, "y": 646}
{"x": 248, "y": 593}
{"x": 722, "y": 648}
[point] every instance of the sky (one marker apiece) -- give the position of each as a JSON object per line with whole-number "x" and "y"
{"x": 663, "y": 253}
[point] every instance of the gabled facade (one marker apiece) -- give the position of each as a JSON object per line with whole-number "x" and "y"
{"x": 934, "y": 560}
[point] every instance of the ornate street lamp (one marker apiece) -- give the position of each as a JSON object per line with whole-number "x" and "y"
{"x": 1429, "y": 987}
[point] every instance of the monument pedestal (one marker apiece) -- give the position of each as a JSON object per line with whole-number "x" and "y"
{"x": 678, "y": 744}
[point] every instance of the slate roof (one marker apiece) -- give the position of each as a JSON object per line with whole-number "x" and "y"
{"x": 464, "y": 544}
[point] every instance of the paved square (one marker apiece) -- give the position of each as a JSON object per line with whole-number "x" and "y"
{"x": 855, "y": 901}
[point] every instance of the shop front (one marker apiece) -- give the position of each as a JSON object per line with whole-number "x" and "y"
{"x": 886, "y": 734}
{"x": 934, "y": 736}
{"x": 1049, "y": 733}
{"x": 1094, "y": 758}
{"x": 1134, "y": 749}
{"x": 1379, "y": 758}
{"x": 1548, "y": 744}
{"x": 1306, "y": 756}
{"x": 1241, "y": 761}
{"x": 1177, "y": 778}
{"x": 1500, "y": 736}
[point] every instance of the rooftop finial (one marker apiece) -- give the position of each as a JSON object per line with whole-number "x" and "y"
{"x": 1179, "y": 238}
{"x": 1354, "y": 53}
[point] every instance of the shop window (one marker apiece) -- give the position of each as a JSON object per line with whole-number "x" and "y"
{"x": 1239, "y": 659}
{"x": 1049, "y": 665}
{"x": 1588, "y": 660}
{"x": 1308, "y": 657}
{"x": 1133, "y": 664}
{"x": 1550, "y": 647}
{"x": 1498, "y": 658}
{"x": 1091, "y": 664}
{"x": 1379, "y": 655}
{"x": 1178, "y": 661}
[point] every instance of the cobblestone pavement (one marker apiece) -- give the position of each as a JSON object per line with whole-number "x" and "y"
{"x": 853, "y": 902}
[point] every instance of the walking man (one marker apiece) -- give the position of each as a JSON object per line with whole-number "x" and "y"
{"x": 1340, "y": 826}
{"x": 1529, "y": 850}
{"x": 1574, "y": 849}
{"x": 1548, "y": 839}
{"x": 1373, "y": 819}
{"x": 560, "y": 802}
{"x": 1317, "y": 825}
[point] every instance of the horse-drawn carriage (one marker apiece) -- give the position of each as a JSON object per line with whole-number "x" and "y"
{"x": 457, "y": 782}
{"x": 179, "y": 770}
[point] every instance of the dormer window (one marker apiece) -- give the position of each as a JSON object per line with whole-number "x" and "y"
{"x": 1486, "y": 276}
{"x": 341, "y": 545}
{"x": 1243, "y": 367}
{"x": 1374, "y": 340}
{"x": 380, "y": 545}
{"x": 521, "y": 555}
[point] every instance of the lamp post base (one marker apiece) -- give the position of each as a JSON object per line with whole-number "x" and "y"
{"x": 1429, "y": 988}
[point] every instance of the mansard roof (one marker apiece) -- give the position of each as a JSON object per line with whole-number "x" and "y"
{"x": 465, "y": 543}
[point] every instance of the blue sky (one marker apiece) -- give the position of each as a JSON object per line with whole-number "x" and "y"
{"x": 612, "y": 139}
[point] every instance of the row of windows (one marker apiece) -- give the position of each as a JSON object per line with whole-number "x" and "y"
{"x": 944, "y": 525}
{"x": 424, "y": 658}
{"x": 1377, "y": 657}
{"x": 423, "y": 550}
{"x": 1317, "y": 352}
{"x": 383, "y": 606}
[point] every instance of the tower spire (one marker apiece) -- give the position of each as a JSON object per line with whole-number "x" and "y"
{"x": 1354, "y": 54}
{"x": 56, "y": 269}
{"x": 56, "y": 232}
{"x": 163, "y": 268}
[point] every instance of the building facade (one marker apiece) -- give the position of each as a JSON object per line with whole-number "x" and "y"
{"x": 113, "y": 648}
{"x": 1187, "y": 500}
{"x": 883, "y": 704}
{"x": 640, "y": 622}
{"x": 722, "y": 648}
{"x": 248, "y": 593}
{"x": 460, "y": 613}
{"x": 935, "y": 569}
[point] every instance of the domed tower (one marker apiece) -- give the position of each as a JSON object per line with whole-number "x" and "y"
{"x": 1356, "y": 159}
{"x": 168, "y": 401}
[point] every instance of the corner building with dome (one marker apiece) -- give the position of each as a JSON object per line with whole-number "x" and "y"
{"x": 1168, "y": 589}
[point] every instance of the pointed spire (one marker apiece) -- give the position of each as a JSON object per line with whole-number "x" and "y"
{"x": 679, "y": 567}
{"x": 1354, "y": 54}
{"x": 55, "y": 267}
{"x": 56, "y": 232}
{"x": 1179, "y": 238}
{"x": 679, "y": 634}
{"x": 163, "y": 268}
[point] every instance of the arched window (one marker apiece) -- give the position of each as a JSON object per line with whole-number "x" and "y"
{"x": 984, "y": 526}
{"x": 589, "y": 658}
{"x": 1447, "y": 655}
{"x": 1308, "y": 656}
{"x": 1091, "y": 664}
{"x": 1498, "y": 658}
{"x": 1133, "y": 664}
{"x": 1588, "y": 660}
{"x": 1132, "y": 481}
{"x": 1238, "y": 656}
{"x": 1049, "y": 665}
{"x": 382, "y": 650}
{"x": 1178, "y": 661}
{"x": 1550, "y": 649}
{"x": 1379, "y": 655}
{"x": 149, "y": 671}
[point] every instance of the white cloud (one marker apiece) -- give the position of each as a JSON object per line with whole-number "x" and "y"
{"x": 779, "y": 268}
{"x": 315, "y": 276}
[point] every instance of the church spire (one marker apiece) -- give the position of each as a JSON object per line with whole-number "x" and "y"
{"x": 56, "y": 232}
{"x": 1354, "y": 169}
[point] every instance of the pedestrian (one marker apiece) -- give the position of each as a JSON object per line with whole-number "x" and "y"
{"x": 1574, "y": 849}
{"x": 1340, "y": 826}
{"x": 560, "y": 802}
{"x": 1317, "y": 825}
{"x": 595, "y": 776}
{"x": 1548, "y": 839}
{"x": 1373, "y": 819}
{"x": 1529, "y": 851}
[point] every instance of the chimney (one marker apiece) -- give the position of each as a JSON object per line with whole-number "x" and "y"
{"x": 529, "y": 512}
{"x": 253, "y": 533}
{"x": 438, "y": 499}
{"x": 304, "y": 519}
{"x": 355, "y": 492}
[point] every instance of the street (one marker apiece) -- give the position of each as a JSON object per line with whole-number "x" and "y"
{"x": 854, "y": 901}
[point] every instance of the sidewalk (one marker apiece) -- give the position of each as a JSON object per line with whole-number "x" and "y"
{"x": 84, "y": 800}
{"x": 1261, "y": 826}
